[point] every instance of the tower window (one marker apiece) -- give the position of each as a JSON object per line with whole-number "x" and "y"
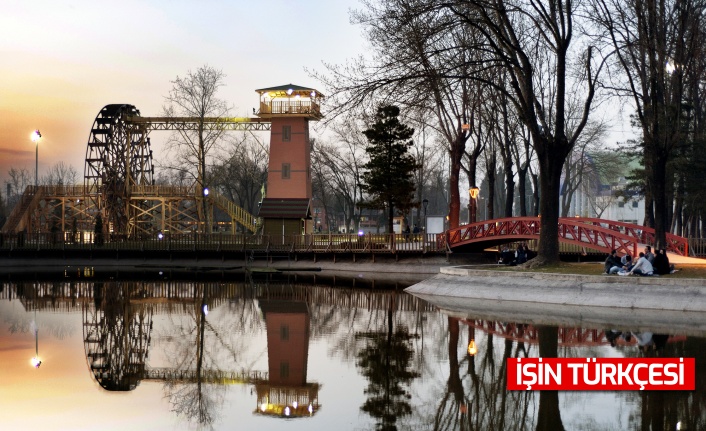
{"x": 286, "y": 133}
{"x": 284, "y": 332}
{"x": 286, "y": 171}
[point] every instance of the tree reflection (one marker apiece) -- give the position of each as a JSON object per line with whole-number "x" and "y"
{"x": 385, "y": 361}
{"x": 478, "y": 400}
{"x": 196, "y": 400}
{"x": 665, "y": 410}
{"x": 548, "y": 414}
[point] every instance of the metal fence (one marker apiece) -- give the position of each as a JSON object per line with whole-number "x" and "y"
{"x": 312, "y": 243}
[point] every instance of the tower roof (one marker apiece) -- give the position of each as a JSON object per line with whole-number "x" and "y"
{"x": 291, "y": 90}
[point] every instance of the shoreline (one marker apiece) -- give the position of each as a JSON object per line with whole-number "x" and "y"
{"x": 581, "y": 300}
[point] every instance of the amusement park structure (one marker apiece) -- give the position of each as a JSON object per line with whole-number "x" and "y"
{"x": 119, "y": 182}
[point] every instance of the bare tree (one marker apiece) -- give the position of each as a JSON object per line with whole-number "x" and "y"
{"x": 412, "y": 55}
{"x": 60, "y": 174}
{"x": 425, "y": 47}
{"x": 655, "y": 43}
{"x": 19, "y": 180}
{"x": 339, "y": 167}
{"x": 579, "y": 165}
{"x": 195, "y": 96}
{"x": 240, "y": 178}
{"x": 531, "y": 41}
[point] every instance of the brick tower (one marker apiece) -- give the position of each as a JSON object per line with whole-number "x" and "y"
{"x": 286, "y": 210}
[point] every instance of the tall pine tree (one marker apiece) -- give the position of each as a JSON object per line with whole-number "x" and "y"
{"x": 387, "y": 178}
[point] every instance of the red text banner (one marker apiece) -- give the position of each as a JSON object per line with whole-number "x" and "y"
{"x": 601, "y": 374}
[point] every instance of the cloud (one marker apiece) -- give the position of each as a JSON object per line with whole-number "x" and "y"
{"x": 8, "y": 152}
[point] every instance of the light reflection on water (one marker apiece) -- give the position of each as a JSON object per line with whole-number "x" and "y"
{"x": 295, "y": 353}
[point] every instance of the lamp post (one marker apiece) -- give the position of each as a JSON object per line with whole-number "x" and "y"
{"x": 425, "y": 204}
{"x": 36, "y": 362}
{"x": 473, "y": 193}
{"x": 36, "y": 136}
{"x": 207, "y": 225}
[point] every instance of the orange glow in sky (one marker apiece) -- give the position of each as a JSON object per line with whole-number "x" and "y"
{"x": 62, "y": 62}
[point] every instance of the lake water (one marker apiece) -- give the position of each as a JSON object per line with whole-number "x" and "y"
{"x": 300, "y": 353}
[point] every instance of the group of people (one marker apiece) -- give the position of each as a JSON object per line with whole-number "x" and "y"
{"x": 521, "y": 255}
{"x": 408, "y": 232}
{"x": 648, "y": 263}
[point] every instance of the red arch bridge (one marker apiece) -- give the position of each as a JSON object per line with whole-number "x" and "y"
{"x": 593, "y": 233}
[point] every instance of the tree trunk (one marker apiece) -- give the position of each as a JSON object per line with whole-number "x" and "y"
{"x": 550, "y": 165}
{"x": 390, "y": 218}
{"x": 660, "y": 222}
{"x": 522, "y": 190}
{"x": 456, "y": 154}
{"x": 535, "y": 194}
{"x": 491, "y": 187}
{"x": 548, "y": 413}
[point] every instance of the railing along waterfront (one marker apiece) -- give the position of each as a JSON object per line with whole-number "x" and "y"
{"x": 226, "y": 241}
{"x": 697, "y": 247}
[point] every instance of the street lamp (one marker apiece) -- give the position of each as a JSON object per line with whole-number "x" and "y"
{"x": 425, "y": 204}
{"x": 473, "y": 192}
{"x": 207, "y": 225}
{"x": 36, "y": 136}
{"x": 36, "y": 362}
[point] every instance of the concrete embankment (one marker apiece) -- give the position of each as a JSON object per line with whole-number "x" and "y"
{"x": 407, "y": 269}
{"x": 664, "y": 302}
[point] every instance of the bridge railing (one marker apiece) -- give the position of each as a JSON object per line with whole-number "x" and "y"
{"x": 644, "y": 234}
{"x": 602, "y": 235}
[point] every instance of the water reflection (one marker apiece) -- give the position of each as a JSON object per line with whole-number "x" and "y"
{"x": 408, "y": 364}
{"x": 548, "y": 414}
{"x": 385, "y": 361}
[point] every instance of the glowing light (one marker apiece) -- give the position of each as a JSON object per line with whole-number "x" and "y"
{"x": 289, "y": 92}
{"x": 472, "y": 349}
{"x": 205, "y": 309}
{"x": 473, "y": 191}
{"x": 679, "y": 426}
{"x": 313, "y": 94}
{"x": 205, "y": 191}
{"x": 36, "y": 362}
{"x": 670, "y": 67}
{"x": 36, "y": 136}
{"x": 311, "y": 409}
{"x": 287, "y": 411}
{"x": 160, "y": 236}
{"x": 295, "y": 404}
{"x": 361, "y": 233}
{"x": 263, "y": 407}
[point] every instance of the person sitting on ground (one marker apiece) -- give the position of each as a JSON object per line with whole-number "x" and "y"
{"x": 529, "y": 253}
{"x": 642, "y": 266}
{"x": 520, "y": 254}
{"x": 648, "y": 254}
{"x": 612, "y": 261}
{"x": 506, "y": 257}
{"x": 661, "y": 264}
{"x": 626, "y": 260}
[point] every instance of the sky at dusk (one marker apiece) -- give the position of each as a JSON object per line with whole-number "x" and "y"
{"x": 62, "y": 61}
